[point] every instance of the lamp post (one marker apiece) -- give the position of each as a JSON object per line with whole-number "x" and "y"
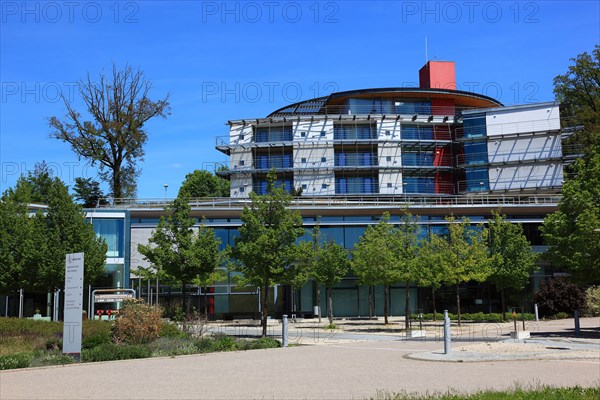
{"x": 166, "y": 186}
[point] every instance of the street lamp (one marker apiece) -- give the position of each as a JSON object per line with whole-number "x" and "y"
{"x": 166, "y": 186}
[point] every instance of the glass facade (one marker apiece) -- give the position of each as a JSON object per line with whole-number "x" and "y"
{"x": 389, "y": 106}
{"x": 264, "y": 161}
{"x": 475, "y": 152}
{"x": 273, "y": 134}
{"x": 477, "y": 179}
{"x": 417, "y": 159}
{"x": 418, "y": 184}
{"x": 354, "y": 132}
{"x": 260, "y": 185}
{"x": 356, "y": 185}
{"x": 474, "y": 127}
{"x": 358, "y": 159}
{"x": 416, "y": 132}
{"x": 112, "y": 231}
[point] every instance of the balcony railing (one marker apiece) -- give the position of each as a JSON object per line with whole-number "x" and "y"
{"x": 347, "y": 201}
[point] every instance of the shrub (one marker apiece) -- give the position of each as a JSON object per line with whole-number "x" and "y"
{"x": 45, "y": 358}
{"x": 224, "y": 343}
{"x": 169, "y": 330}
{"x": 559, "y": 295}
{"x": 165, "y": 346}
{"x": 95, "y": 339}
{"x": 561, "y": 315}
{"x": 113, "y": 351}
{"x": 264, "y": 343}
{"x": 593, "y": 301}
{"x": 137, "y": 323}
{"x": 11, "y": 361}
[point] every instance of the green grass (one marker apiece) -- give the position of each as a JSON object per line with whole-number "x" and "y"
{"x": 537, "y": 393}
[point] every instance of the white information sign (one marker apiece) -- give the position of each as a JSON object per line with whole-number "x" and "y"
{"x": 73, "y": 304}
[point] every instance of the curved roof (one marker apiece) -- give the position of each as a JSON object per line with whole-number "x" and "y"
{"x": 328, "y": 104}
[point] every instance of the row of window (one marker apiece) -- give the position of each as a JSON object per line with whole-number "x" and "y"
{"x": 362, "y": 131}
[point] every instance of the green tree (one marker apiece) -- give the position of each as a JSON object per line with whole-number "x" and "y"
{"x": 180, "y": 252}
{"x": 464, "y": 254}
{"x": 114, "y": 137}
{"x": 18, "y": 245}
{"x": 39, "y": 181}
{"x": 573, "y": 231}
{"x": 326, "y": 262}
{"x": 266, "y": 242}
{"x": 579, "y": 91}
{"x": 61, "y": 230}
{"x": 431, "y": 272}
{"x": 512, "y": 259}
{"x": 201, "y": 183}
{"x": 406, "y": 247}
{"x": 88, "y": 192}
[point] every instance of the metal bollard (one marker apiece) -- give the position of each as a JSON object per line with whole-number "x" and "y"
{"x": 447, "y": 339}
{"x": 576, "y": 318}
{"x": 535, "y": 309}
{"x": 284, "y": 328}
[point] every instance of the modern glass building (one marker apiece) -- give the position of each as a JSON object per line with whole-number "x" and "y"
{"x": 431, "y": 140}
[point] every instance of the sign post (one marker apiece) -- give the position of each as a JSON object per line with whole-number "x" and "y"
{"x": 72, "y": 327}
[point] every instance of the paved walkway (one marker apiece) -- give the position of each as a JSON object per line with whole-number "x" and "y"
{"x": 342, "y": 370}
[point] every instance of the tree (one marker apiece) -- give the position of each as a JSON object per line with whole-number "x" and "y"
{"x": 180, "y": 252}
{"x": 88, "y": 192}
{"x": 464, "y": 254}
{"x": 201, "y": 183}
{"x": 579, "y": 91}
{"x": 62, "y": 229}
{"x": 573, "y": 231}
{"x": 17, "y": 240}
{"x": 114, "y": 138}
{"x": 512, "y": 259}
{"x": 406, "y": 247}
{"x": 266, "y": 242}
{"x": 559, "y": 295}
{"x": 33, "y": 249}
{"x": 431, "y": 272}
{"x": 326, "y": 262}
{"x": 38, "y": 183}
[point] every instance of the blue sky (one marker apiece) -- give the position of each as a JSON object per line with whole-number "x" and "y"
{"x": 230, "y": 60}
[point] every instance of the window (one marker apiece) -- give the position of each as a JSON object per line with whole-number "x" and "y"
{"x": 388, "y": 158}
{"x": 241, "y": 189}
{"x": 416, "y": 132}
{"x": 358, "y": 159}
{"x": 112, "y": 231}
{"x": 474, "y": 127}
{"x": 302, "y": 134}
{"x": 477, "y": 179}
{"x": 476, "y": 152}
{"x": 323, "y": 133}
{"x": 241, "y": 136}
{"x": 354, "y": 132}
{"x": 323, "y": 159}
{"x": 304, "y": 186}
{"x": 389, "y": 184}
{"x": 242, "y": 162}
{"x": 303, "y": 160}
{"x": 273, "y": 134}
{"x": 324, "y": 186}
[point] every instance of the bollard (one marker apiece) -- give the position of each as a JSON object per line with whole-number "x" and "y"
{"x": 535, "y": 309}
{"x": 284, "y": 329}
{"x": 576, "y": 318}
{"x": 447, "y": 342}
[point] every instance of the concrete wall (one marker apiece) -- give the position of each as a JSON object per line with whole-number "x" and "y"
{"x": 316, "y": 184}
{"x": 238, "y": 181}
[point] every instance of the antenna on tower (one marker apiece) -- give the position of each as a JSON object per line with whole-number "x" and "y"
{"x": 426, "y": 57}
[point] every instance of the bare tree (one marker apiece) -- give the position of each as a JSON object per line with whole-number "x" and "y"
{"x": 114, "y": 138}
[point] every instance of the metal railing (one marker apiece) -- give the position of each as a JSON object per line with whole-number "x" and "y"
{"x": 485, "y": 199}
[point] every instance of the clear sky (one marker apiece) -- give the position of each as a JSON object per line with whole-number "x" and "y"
{"x": 231, "y": 60}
